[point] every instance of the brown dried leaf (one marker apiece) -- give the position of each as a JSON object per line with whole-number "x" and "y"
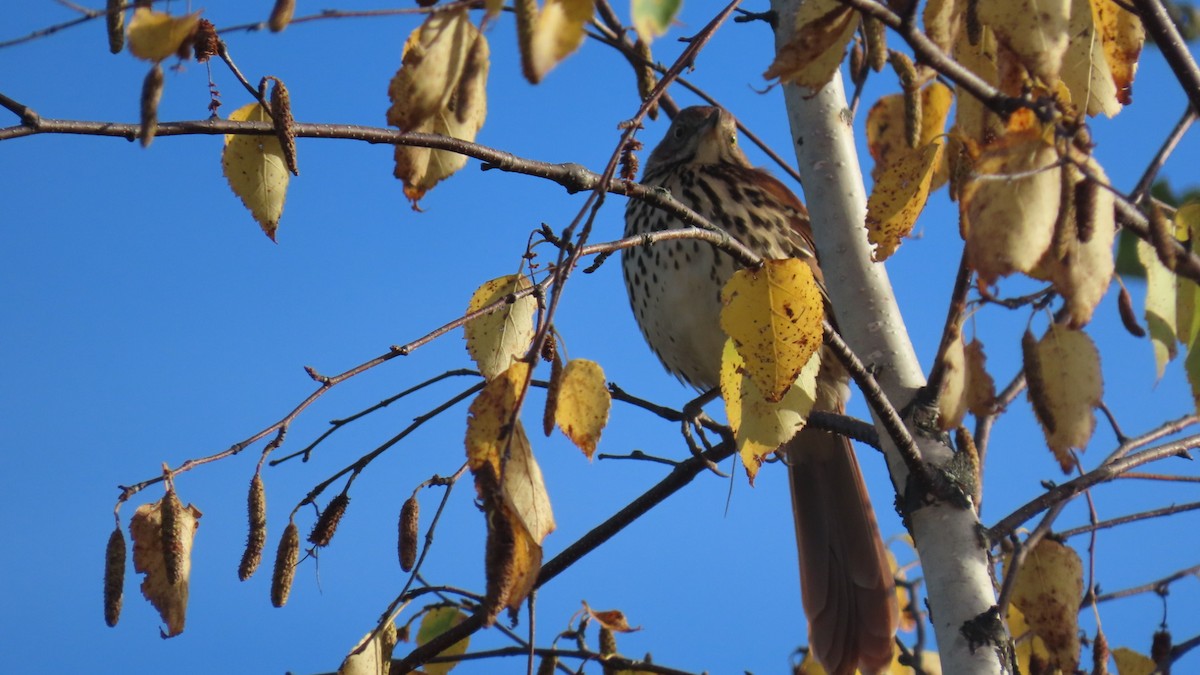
{"x": 981, "y": 389}
{"x": 812, "y": 56}
{"x": 150, "y": 559}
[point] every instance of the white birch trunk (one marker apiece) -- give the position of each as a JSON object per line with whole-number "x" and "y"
{"x": 953, "y": 562}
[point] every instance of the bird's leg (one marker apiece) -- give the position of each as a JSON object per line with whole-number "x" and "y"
{"x": 694, "y": 417}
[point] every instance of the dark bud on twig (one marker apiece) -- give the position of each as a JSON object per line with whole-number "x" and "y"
{"x": 527, "y": 16}
{"x": 172, "y": 536}
{"x": 907, "y": 73}
{"x": 499, "y": 565}
{"x": 549, "y": 414}
{"x": 1128, "y": 316}
{"x": 877, "y": 51}
{"x": 114, "y": 576}
{"x": 326, "y": 526}
{"x": 1161, "y": 237}
{"x": 281, "y": 15}
{"x": 1160, "y": 648}
{"x": 256, "y": 539}
{"x": 281, "y": 111}
{"x": 205, "y": 43}
{"x": 285, "y": 565}
{"x": 1085, "y": 209}
{"x": 115, "y": 20}
{"x": 646, "y": 77}
{"x": 549, "y": 347}
{"x": 1100, "y": 654}
{"x": 548, "y": 665}
{"x": 406, "y": 546}
{"x": 152, "y": 88}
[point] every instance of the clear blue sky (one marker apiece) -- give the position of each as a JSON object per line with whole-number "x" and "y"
{"x": 147, "y": 320}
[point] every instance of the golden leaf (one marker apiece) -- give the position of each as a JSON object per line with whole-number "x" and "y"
{"x": 149, "y": 558}
{"x": 761, "y": 426}
{"x": 557, "y": 33}
{"x": 774, "y": 315}
{"x": 1121, "y": 37}
{"x": 898, "y": 198}
{"x": 885, "y": 128}
{"x": 496, "y": 340}
{"x": 490, "y": 420}
{"x": 972, "y": 118}
{"x": 1035, "y": 31}
{"x": 256, "y": 169}
{"x": 583, "y": 403}
{"x": 1028, "y": 644}
{"x": 440, "y": 88}
{"x": 943, "y": 21}
{"x": 154, "y": 36}
{"x": 1008, "y": 209}
{"x": 435, "y": 622}
{"x": 1130, "y": 662}
{"x": 812, "y": 56}
{"x": 373, "y": 655}
{"x": 1085, "y": 71}
{"x": 1063, "y": 369}
{"x": 1047, "y": 591}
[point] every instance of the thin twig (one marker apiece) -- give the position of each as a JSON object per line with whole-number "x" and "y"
{"x": 1152, "y": 587}
{"x": 1160, "y": 158}
{"x": 1173, "y": 47}
{"x": 1133, "y": 517}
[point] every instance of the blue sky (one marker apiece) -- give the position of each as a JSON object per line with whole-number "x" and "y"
{"x": 147, "y": 319}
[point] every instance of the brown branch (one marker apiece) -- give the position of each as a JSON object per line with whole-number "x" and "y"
{"x": 1102, "y": 474}
{"x": 1160, "y": 158}
{"x": 1152, "y": 587}
{"x": 952, "y": 330}
{"x": 88, "y": 15}
{"x": 327, "y": 383}
{"x": 1133, "y": 517}
{"x": 1165, "y": 477}
{"x": 1173, "y": 47}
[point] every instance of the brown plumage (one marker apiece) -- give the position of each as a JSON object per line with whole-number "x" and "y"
{"x": 674, "y": 288}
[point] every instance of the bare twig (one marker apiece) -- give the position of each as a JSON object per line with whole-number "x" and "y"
{"x": 1160, "y": 158}
{"x": 1133, "y": 517}
{"x": 1152, "y": 587}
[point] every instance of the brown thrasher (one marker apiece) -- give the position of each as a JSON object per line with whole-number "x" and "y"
{"x": 674, "y": 287}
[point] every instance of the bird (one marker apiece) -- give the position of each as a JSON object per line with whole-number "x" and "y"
{"x": 674, "y": 286}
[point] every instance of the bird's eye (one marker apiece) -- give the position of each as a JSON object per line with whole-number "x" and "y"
{"x": 677, "y": 132}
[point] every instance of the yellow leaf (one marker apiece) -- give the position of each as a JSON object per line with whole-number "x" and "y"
{"x": 1081, "y": 276}
{"x": 583, "y": 404}
{"x": 372, "y": 656}
{"x": 1035, "y": 30}
{"x": 809, "y": 665}
{"x": 652, "y": 18}
{"x": 1085, "y": 70}
{"x": 1160, "y": 307}
{"x": 886, "y": 137}
{"x": 498, "y": 339}
{"x": 898, "y": 197}
{"x": 490, "y": 420}
{"x": 1130, "y": 662}
{"x": 1047, "y": 591}
{"x": 1007, "y": 210}
{"x": 981, "y": 389}
{"x": 150, "y": 559}
{"x": 761, "y": 426}
{"x": 1027, "y": 643}
{"x": 977, "y": 124}
{"x": 812, "y": 56}
{"x": 256, "y": 169}
{"x": 1063, "y": 371}
{"x": 952, "y": 399}
{"x": 557, "y": 34}
{"x": 154, "y": 36}
{"x": 440, "y": 88}
{"x": 774, "y": 315}
{"x": 435, "y": 622}
{"x": 524, "y": 489}
{"x": 1121, "y": 37}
